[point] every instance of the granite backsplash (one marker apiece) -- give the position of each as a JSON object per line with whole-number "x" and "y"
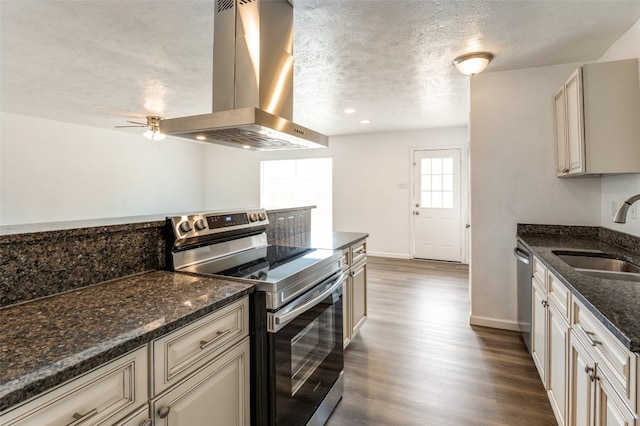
{"x": 40, "y": 264}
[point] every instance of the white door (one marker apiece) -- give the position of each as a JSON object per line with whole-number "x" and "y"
{"x": 436, "y": 205}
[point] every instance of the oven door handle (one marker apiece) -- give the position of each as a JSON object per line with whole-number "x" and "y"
{"x": 278, "y": 320}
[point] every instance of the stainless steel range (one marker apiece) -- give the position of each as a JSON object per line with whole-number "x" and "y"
{"x": 297, "y": 356}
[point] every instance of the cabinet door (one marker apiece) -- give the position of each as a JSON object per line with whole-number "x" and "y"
{"x": 539, "y": 331}
{"x": 610, "y": 410}
{"x": 358, "y": 297}
{"x": 581, "y": 384}
{"x": 346, "y": 310}
{"x": 557, "y": 368}
{"x": 217, "y": 394}
{"x": 574, "y": 123}
{"x": 560, "y": 132}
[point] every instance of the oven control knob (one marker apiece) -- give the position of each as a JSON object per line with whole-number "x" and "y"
{"x": 199, "y": 225}
{"x": 253, "y": 217}
{"x": 185, "y": 226}
{"x": 262, "y": 216}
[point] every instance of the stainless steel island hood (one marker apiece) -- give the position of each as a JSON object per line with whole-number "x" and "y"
{"x": 252, "y": 81}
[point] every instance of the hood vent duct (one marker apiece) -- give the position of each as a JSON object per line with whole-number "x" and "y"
{"x": 252, "y": 81}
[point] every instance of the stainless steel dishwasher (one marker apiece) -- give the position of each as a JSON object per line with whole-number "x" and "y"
{"x": 524, "y": 292}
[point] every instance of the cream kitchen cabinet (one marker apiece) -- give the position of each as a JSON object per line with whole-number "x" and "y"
{"x": 596, "y": 120}
{"x": 201, "y": 372}
{"x": 217, "y": 394}
{"x": 594, "y": 399}
{"x": 550, "y": 336}
{"x": 102, "y": 396}
{"x": 355, "y": 289}
{"x": 590, "y": 377}
{"x": 603, "y": 376}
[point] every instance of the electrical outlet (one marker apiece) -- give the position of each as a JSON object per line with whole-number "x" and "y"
{"x": 614, "y": 208}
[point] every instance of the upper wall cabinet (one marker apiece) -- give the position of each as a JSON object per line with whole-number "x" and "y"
{"x": 597, "y": 120}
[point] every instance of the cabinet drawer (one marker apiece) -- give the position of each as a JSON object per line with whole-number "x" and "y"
{"x": 540, "y": 273}
{"x": 180, "y": 353}
{"x": 112, "y": 391}
{"x": 560, "y": 296}
{"x": 358, "y": 252}
{"x": 345, "y": 260}
{"x": 616, "y": 362}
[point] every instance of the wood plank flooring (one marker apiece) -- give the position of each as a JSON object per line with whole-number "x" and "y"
{"x": 417, "y": 361}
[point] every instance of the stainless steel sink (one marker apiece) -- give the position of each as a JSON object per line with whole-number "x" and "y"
{"x": 601, "y": 265}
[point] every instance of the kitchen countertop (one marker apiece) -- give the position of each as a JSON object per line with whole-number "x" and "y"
{"x": 338, "y": 240}
{"x": 615, "y": 303}
{"x": 48, "y": 341}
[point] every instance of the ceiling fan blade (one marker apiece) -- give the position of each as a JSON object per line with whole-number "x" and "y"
{"x": 141, "y": 125}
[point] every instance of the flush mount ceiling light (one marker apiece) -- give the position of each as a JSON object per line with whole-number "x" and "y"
{"x": 473, "y": 63}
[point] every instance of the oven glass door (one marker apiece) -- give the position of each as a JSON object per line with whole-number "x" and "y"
{"x": 307, "y": 360}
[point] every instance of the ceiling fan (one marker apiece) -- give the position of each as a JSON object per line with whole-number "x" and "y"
{"x": 153, "y": 125}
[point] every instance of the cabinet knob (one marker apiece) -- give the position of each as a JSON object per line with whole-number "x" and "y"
{"x": 164, "y": 411}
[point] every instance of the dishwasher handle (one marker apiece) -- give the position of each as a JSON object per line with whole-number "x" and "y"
{"x": 521, "y": 255}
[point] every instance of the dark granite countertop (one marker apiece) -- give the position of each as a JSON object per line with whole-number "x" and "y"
{"x": 615, "y": 303}
{"x": 337, "y": 240}
{"x": 48, "y": 341}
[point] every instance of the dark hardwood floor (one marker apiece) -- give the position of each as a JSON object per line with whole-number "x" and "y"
{"x": 417, "y": 361}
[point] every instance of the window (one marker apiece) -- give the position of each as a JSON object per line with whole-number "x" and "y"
{"x": 305, "y": 182}
{"x": 436, "y": 176}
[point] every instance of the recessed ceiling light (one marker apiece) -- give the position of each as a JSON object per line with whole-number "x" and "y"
{"x": 246, "y": 146}
{"x": 365, "y": 121}
{"x": 201, "y": 138}
{"x": 349, "y": 110}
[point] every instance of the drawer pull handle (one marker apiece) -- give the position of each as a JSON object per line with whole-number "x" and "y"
{"x": 591, "y": 335}
{"x": 79, "y": 418}
{"x": 164, "y": 411}
{"x": 147, "y": 422}
{"x": 219, "y": 335}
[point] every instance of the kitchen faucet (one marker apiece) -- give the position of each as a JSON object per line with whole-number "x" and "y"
{"x": 621, "y": 215}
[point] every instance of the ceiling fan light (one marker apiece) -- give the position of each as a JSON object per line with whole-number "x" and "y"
{"x": 148, "y": 134}
{"x": 472, "y": 63}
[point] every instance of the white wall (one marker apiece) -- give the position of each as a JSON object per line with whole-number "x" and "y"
{"x": 54, "y": 171}
{"x": 231, "y": 178}
{"x": 619, "y": 188}
{"x": 513, "y": 180}
{"x": 372, "y": 184}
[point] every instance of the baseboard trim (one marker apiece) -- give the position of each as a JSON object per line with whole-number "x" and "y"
{"x": 494, "y": 323}
{"x": 389, "y": 255}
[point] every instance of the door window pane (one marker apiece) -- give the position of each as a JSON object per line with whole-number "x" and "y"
{"x": 436, "y": 180}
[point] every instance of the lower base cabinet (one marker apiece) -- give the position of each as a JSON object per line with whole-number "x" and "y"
{"x": 100, "y": 397}
{"x": 217, "y": 394}
{"x": 594, "y": 400}
{"x": 355, "y": 290}
{"x": 557, "y": 367}
{"x": 199, "y": 375}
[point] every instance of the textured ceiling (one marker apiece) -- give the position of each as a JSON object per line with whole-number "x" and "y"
{"x": 102, "y": 62}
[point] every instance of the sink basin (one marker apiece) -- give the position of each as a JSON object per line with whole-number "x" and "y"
{"x": 601, "y": 265}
